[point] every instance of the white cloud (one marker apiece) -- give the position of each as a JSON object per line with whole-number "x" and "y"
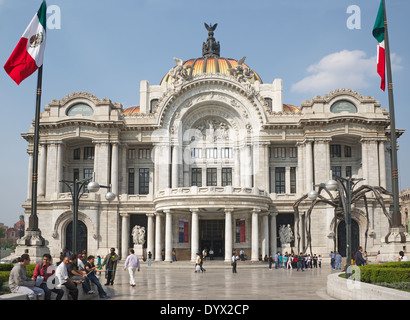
{"x": 344, "y": 69}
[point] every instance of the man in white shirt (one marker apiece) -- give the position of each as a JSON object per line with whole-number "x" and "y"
{"x": 63, "y": 279}
{"x": 132, "y": 263}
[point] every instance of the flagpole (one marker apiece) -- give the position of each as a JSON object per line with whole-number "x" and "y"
{"x": 33, "y": 220}
{"x": 396, "y": 217}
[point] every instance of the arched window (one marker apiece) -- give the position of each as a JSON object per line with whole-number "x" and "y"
{"x": 269, "y": 102}
{"x": 152, "y": 105}
{"x": 80, "y": 109}
{"x": 343, "y": 105}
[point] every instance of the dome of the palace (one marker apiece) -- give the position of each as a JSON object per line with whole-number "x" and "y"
{"x": 288, "y": 108}
{"x": 131, "y": 110}
{"x": 211, "y": 62}
{"x": 211, "y": 65}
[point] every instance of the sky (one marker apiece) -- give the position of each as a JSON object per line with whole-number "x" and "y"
{"x": 108, "y": 47}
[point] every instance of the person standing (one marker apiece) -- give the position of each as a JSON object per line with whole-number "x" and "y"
{"x": 300, "y": 262}
{"x": 174, "y": 255}
{"x": 234, "y": 261}
{"x": 270, "y": 262}
{"x": 338, "y": 261}
{"x": 332, "y": 259}
{"x": 64, "y": 279}
{"x": 360, "y": 261}
{"x": 110, "y": 262}
{"x": 211, "y": 254}
{"x": 19, "y": 282}
{"x": 132, "y": 263}
{"x": 149, "y": 258}
{"x": 198, "y": 263}
{"x": 42, "y": 272}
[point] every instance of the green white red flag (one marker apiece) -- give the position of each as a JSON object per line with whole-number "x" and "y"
{"x": 28, "y": 55}
{"x": 378, "y": 33}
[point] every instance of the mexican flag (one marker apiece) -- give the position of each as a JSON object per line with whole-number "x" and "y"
{"x": 27, "y": 57}
{"x": 378, "y": 33}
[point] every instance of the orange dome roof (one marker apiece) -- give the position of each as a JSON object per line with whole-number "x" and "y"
{"x": 211, "y": 65}
{"x": 131, "y": 110}
{"x": 290, "y": 108}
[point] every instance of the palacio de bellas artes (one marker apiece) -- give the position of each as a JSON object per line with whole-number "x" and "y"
{"x": 211, "y": 158}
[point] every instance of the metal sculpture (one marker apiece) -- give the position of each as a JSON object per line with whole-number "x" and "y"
{"x": 340, "y": 206}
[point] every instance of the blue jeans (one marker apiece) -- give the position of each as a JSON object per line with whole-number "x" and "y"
{"x": 94, "y": 280}
{"x": 149, "y": 262}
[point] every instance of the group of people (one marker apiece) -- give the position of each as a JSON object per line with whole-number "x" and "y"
{"x": 292, "y": 261}
{"x": 70, "y": 271}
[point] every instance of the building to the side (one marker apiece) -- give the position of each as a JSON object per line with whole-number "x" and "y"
{"x": 211, "y": 158}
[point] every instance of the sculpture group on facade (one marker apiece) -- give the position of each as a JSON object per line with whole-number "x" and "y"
{"x": 138, "y": 235}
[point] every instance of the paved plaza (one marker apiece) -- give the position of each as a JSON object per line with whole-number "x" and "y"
{"x": 253, "y": 281}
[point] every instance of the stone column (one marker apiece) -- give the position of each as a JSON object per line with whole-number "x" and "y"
{"x": 42, "y": 167}
{"x": 123, "y": 184}
{"x": 158, "y": 238}
{"x": 237, "y": 168}
{"x": 194, "y": 234}
{"x": 265, "y": 239}
{"x": 101, "y": 164}
{"x": 382, "y": 165}
{"x": 176, "y": 163}
{"x": 150, "y": 233}
{"x": 51, "y": 170}
{"x": 365, "y": 171}
{"x": 162, "y": 161}
{"x": 300, "y": 178}
{"x": 246, "y": 167}
{"x": 273, "y": 233}
{"x": 322, "y": 160}
{"x": 255, "y": 234}
{"x": 114, "y": 169}
{"x": 228, "y": 234}
{"x": 372, "y": 162}
{"x": 125, "y": 235}
{"x": 168, "y": 235}
{"x": 60, "y": 158}
{"x": 309, "y": 166}
{"x": 287, "y": 180}
{"x": 261, "y": 165}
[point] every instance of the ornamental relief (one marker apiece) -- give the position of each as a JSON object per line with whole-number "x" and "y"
{"x": 213, "y": 130}
{"x": 218, "y": 101}
{"x": 175, "y": 106}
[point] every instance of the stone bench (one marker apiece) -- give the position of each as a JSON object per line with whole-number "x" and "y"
{"x": 81, "y": 294}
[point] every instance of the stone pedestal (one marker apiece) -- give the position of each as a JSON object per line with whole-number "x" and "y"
{"x": 139, "y": 250}
{"x": 397, "y": 240}
{"x": 34, "y": 245}
{"x": 286, "y": 248}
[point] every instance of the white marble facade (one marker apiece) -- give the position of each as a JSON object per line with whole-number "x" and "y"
{"x": 209, "y": 160}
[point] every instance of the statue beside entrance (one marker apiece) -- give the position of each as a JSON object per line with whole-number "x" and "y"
{"x": 138, "y": 237}
{"x": 285, "y": 236}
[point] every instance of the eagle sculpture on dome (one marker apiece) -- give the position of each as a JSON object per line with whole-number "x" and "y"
{"x": 210, "y": 28}
{"x": 210, "y": 47}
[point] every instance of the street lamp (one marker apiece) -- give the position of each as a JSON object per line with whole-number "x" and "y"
{"x": 77, "y": 189}
{"x": 345, "y": 188}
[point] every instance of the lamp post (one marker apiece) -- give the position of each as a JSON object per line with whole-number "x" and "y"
{"x": 77, "y": 189}
{"x": 345, "y": 188}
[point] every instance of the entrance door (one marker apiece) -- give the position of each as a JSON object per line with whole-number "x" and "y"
{"x": 212, "y": 236}
{"x": 341, "y": 237}
{"x": 82, "y": 236}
